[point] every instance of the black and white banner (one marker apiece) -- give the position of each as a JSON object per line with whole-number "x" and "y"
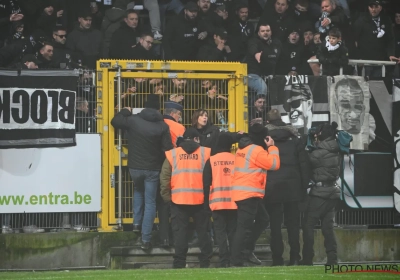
{"x": 301, "y": 100}
{"x": 396, "y": 134}
{"x": 37, "y": 109}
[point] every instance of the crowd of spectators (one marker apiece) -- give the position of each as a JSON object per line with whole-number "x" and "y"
{"x": 273, "y": 37}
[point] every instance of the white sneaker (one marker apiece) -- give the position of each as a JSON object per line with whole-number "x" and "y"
{"x": 6, "y": 229}
{"x": 157, "y": 35}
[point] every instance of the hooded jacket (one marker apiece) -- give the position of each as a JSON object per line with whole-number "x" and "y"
{"x": 111, "y": 22}
{"x": 325, "y": 168}
{"x": 290, "y": 182}
{"x": 165, "y": 176}
{"x": 148, "y": 137}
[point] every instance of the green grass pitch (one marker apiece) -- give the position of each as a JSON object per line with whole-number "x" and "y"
{"x": 248, "y": 273}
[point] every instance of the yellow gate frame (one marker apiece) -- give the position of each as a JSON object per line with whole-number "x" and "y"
{"x": 236, "y": 73}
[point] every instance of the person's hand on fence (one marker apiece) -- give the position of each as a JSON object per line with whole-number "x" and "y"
{"x": 202, "y": 35}
{"x": 258, "y": 57}
{"x": 132, "y": 89}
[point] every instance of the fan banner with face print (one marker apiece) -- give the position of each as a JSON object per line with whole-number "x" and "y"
{"x": 349, "y": 107}
{"x": 301, "y": 100}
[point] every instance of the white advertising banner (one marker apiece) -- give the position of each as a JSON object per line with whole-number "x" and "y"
{"x": 53, "y": 179}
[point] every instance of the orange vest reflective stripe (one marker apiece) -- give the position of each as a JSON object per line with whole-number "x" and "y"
{"x": 249, "y": 180}
{"x": 187, "y": 175}
{"x": 175, "y": 129}
{"x": 222, "y": 165}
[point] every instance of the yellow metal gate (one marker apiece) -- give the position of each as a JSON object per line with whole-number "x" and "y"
{"x": 219, "y": 88}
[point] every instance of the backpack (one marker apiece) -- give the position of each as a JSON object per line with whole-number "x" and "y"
{"x": 344, "y": 139}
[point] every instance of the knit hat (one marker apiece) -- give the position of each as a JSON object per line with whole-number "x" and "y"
{"x": 257, "y": 134}
{"x": 326, "y": 130}
{"x": 153, "y": 102}
{"x": 191, "y": 133}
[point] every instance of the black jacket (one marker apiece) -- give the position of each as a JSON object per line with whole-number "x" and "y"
{"x": 63, "y": 55}
{"x": 209, "y": 135}
{"x": 290, "y": 182}
{"x": 396, "y": 30}
{"x": 270, "y": 53}
{"x": 111, "y": 22}
{"x": 138, "y": 52}
{"x": 148, "y": 137}
{"x": 325, "y": 161}
{"x": 123, "y": 39}
{"x": 332, "y": 60}
{"x": 180, "y": 40}
{"x": 369, "y": 46}
{"x": 210, "y": 52}
{"x": 239, "y": 35}
{"x": 290, "y": 59}
{"x": 280, "y": 23}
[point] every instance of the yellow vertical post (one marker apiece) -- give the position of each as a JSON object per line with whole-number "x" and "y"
{"x": 241, "y": 98}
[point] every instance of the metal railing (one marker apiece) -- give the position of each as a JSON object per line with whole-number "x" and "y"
{"x": 360, "y": 62}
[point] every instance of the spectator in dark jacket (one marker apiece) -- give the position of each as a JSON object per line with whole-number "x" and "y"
{"x": 148, "y": 139}
{"x": 291, "y": 58}
{"x": 9, "y": 12}
{"x": 239, "y": 33}
{"x": 324, "y": 194}
{"x": 262, "y": 55}
{"x": 125, "y": 37}
{"x": 215, "y": 50}
{"x": 281, "y": 18}
{"x": 62, "y": 57}
{"x": 333, "y": 55}
{"x": 84, "y": 41}
{"x": 142, "y": 50}
{"x": 48, "y": 19}
{"x": 286, "y": 187}
{"x": 111, "y": 22}
{"x": 183, "y": 35}
{"x": 374, "y": 37}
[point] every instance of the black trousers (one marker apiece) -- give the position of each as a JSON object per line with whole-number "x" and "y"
{"x": 224, "y": 231}
{"x": 164, "y": 212}
{"x": 324, "y": 210}
{"x": 252, "y": 220}
{"x": 180, "y": 215}
{"x": 290, "y": 211}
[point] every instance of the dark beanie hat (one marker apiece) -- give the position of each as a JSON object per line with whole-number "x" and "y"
{"x": 224, "y": 142}
{"x": 257, "y": 134}
{"x": 153, "y": 102}
{"x": 327, "y": 130}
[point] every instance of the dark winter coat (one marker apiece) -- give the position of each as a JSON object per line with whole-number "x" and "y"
{"x": 123, "y": 39}
{"x": 111, "y": 22}
{"x": 180, "y": 40}
{"x": 85, "y": 43}
{"x": 63, "y": 55}
{"x": 209, "y": 135}
{"x": 369, "y": 46}
{"x": 396, "y": 30}
{"x": 290, "y": 59}
{"x": 270, "y": 53}
{"x": 332, "y": 60}
{"x": 239, "y": 35}
{"x": 279, "y": 23}
{"x": 290, "y": 182}
{"x": 148, "y": 137}
{"x": 139, "y": 53}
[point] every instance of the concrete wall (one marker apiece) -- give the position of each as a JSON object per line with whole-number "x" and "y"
{"x": 61, "y": 250}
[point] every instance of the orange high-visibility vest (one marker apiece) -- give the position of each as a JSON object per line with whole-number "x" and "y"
{"x": 187, "y": 175}
{"x": 248, "y": 179}
{"x": 176, "y": 130}
{"x": 222, "y": 165}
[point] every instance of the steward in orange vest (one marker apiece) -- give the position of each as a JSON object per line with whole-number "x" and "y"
{"x": 217, "y": 185}
{"x": 172, "y": 116}
{"x": 181, "y": 181}
{"x": 249, "y": 182}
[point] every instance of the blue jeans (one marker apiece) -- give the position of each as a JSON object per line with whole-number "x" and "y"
{"x": 257, "y": 85}
{"x": 145, "y": 185}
